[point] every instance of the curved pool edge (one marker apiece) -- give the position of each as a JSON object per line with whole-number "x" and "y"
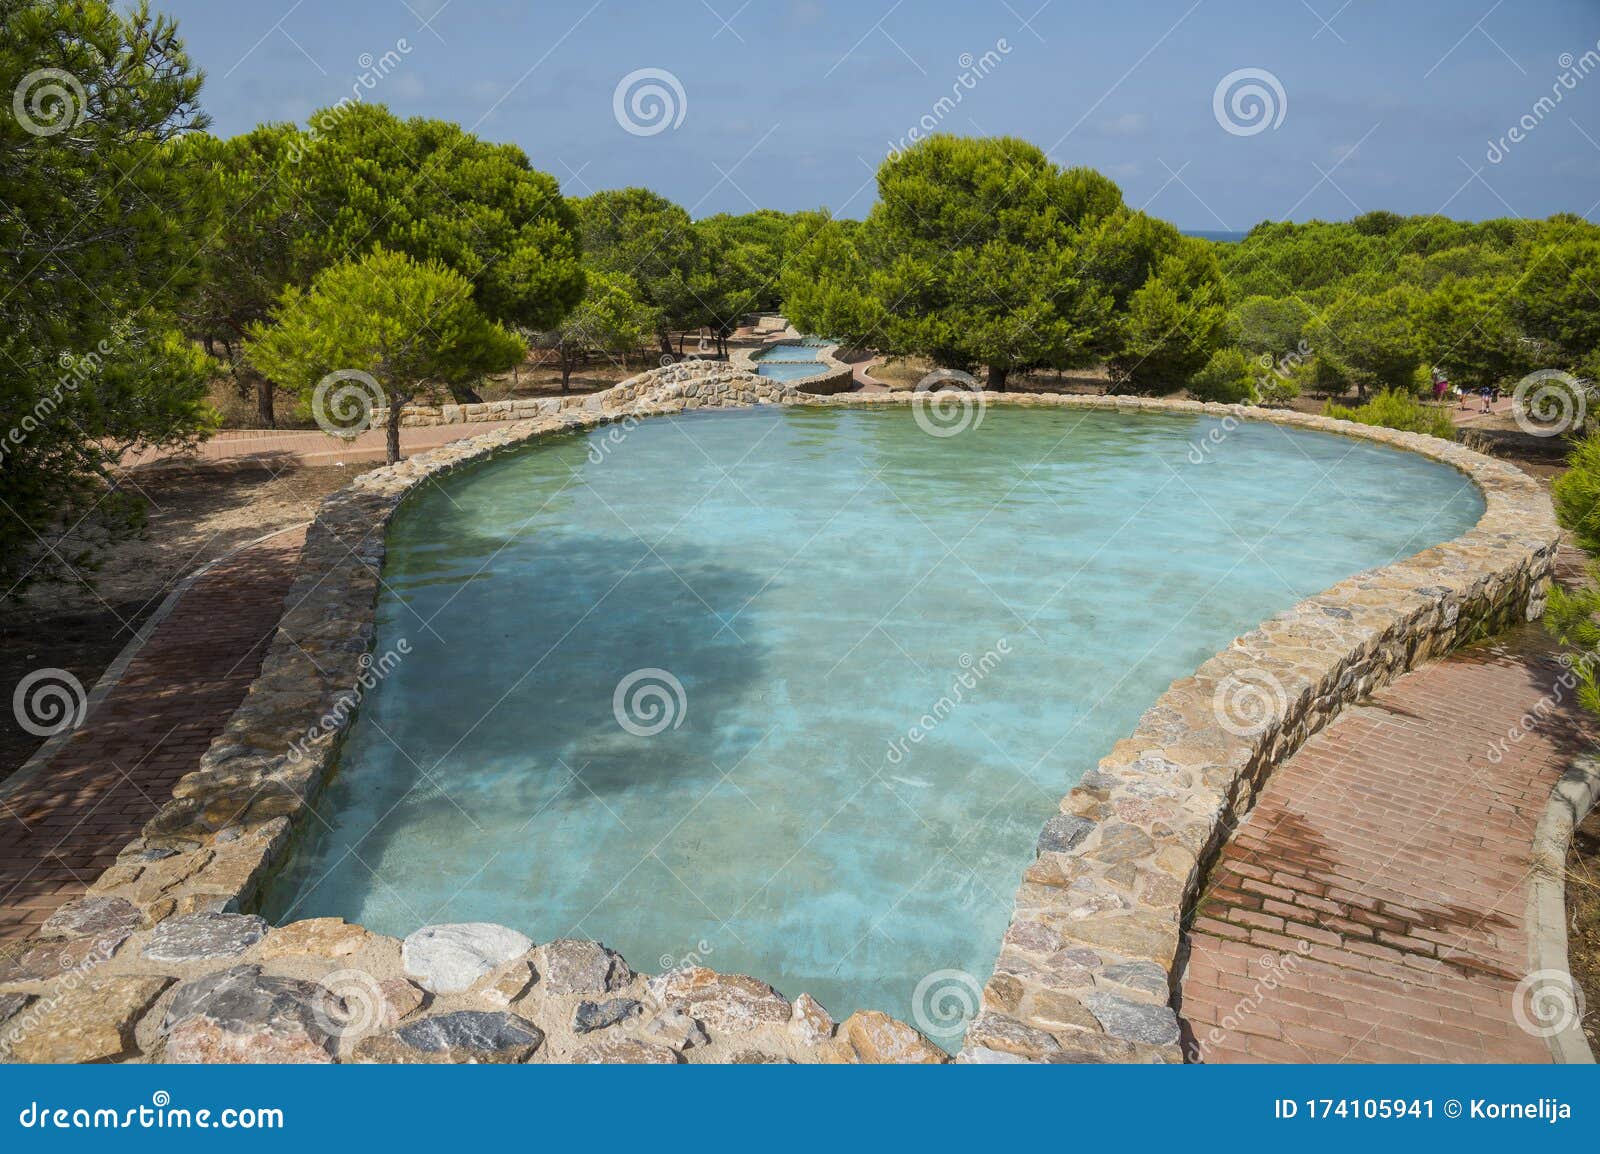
{"x": 834, "y": 377}
{"x": 1085, "y": 970}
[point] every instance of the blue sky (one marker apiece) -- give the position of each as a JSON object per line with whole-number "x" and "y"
{"x": 791, "y": 104}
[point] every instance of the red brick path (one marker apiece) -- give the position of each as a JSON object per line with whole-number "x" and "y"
{"x": 1372, "y": 907}
{"x": 59, "y": 830}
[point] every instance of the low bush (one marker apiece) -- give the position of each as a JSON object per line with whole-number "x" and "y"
{"x": 1229, "y": 378}
{"x": 1577, "y": 494}
{"x": 1397, "y": 410}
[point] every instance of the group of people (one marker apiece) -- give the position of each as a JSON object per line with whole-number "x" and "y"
{"x": 1442, "y": 388}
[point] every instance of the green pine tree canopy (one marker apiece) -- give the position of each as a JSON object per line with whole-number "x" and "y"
{"x": 147, "y": 261}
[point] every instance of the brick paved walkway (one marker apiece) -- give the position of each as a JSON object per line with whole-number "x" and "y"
{"x": 1372, "y": 907}
{"x": 59, "y": 830}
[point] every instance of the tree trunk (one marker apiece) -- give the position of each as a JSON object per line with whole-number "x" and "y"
{"x": 264, "y": 399}
{"x": 465, "y": 395}
{"x": 665, "y": 338}
{"x": 680, "y": 344}
{"x": 997, "y": 378}
{"x": 392, "y": 428}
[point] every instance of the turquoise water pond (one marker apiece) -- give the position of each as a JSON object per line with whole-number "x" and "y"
{"x": 815, "y": 581}
{"x": 790, "y": 362}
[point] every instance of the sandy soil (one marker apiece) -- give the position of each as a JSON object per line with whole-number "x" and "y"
{"x": 196, "y": 514}
{"x": 1583, "y": 921}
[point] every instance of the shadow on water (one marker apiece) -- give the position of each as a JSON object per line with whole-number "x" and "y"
{"x": 533, "y": 733}
{"x": 815, "y": 581}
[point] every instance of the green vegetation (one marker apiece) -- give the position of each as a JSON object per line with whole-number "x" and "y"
{"x": 1577, "y": 495}
{"x": 1573, "y": 615}
{"x": 437, "y": 193}
{"x": 296, "y": 202}
{"x": 1383, "y": 299}
{"x": 251, "y": 255}
{"x": 101, "y": 221}
{"x": 407, "y": 325}
{"x": 417, "y": 253}
{"x": 1229, "y": 378}
{"x": 981, "y": 252}
{"x": 612, "y": 321}
{"x": 1395, "y": 409}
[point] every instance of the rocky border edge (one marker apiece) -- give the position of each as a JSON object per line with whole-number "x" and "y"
{"x": 1085, "y": 968}
{"x": 1570, "y": 801}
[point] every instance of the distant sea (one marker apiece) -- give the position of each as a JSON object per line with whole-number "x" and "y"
{"x": 1216, "y": 235}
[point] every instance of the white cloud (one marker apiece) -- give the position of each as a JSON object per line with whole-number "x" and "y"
{"x": 1128, "y": 124}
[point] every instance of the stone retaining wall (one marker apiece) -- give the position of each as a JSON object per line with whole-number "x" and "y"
{"x": 835, "y": 377}
{"x": 418, "y": 416}
{"x": 1085, "y": 969}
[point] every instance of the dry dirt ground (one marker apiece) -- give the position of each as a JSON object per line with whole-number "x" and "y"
{"x": 195, "y": 515}
{"x": 1583, "y": 921}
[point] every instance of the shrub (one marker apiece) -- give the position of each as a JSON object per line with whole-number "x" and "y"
{"x": 1228, "y": 377}
{"x": 1573, "y": 617}
{"x": 1577, "y": 494}
{"x": 1397, "y": 410}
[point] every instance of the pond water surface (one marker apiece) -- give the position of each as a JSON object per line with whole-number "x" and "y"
{"x": 801, "y": 588}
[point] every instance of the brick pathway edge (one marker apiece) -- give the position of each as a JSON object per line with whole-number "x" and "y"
{"x": 29, "y": 770}
{"x": 1573, "y": 797}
